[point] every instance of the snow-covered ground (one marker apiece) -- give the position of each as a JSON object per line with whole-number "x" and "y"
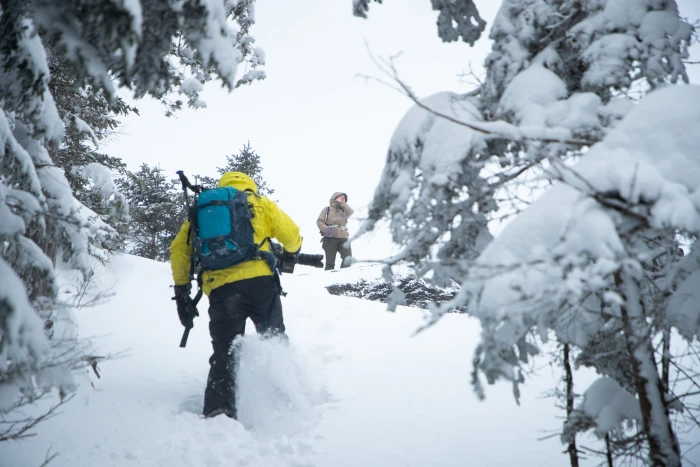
{"x": 353, "y": 389}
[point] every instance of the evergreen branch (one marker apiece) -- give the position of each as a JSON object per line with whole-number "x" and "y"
{"x": 36, "y": 213}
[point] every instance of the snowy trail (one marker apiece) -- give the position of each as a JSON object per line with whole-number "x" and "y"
{"x": 354, "y": 388}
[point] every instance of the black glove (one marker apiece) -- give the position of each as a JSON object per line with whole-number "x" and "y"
{"x": 288, "y": 261}
{"x": 185, "y": 307}
{"x": 288, "y": 257}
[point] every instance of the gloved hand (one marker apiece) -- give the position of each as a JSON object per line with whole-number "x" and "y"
{"x": 327, "y": 231}
{"x": 186, "y": 310}
{"x": 288, "y": 257}
{"x": 288, "y": 261}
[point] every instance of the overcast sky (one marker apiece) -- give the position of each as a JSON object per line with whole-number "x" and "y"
{"x": 316, "y": 124}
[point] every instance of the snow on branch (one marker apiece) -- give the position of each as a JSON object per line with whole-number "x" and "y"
{"x": 496, "y": 129}
{"x": 22, "y": 344}
{"x": 647, "y": 168}
{"x": 83, "y": 51}
{"x": 213, "y": 41}
{"x": 111, "y": 50}
{"x": 606, "y": 408}
{"x": 101, "y": 177}
{"x": 684, "y": 304}
{"x": 434, "y": 187}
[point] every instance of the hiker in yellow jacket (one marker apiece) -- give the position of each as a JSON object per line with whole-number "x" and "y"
{"x": 245, "y": 290}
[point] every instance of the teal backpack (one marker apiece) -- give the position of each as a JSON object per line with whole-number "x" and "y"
{"x": 222, "y": 230}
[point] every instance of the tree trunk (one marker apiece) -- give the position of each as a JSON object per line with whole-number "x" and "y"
{"x": 663, "y": 444}
{"x": 569, "y": 379}
{"x": 37, "y": 283}
{"x": 608, "y": 451}
{"x": 666, "y": 360}
{"x": 154, "y": 247}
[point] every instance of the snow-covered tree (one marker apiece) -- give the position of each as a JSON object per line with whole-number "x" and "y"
{"x": 150, "y": 47}
{"x": 581, "y": 93}
{"x": 156, "y": 209}
{"x": 246, "y": 161}
{"x": 89, "y": 119}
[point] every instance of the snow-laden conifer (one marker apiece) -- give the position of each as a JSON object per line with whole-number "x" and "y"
{"x": 593, "y": 263}
{"x": 246, "y": 161}
{"x": 157, "y": 209}
{"x": 148, "y": 46}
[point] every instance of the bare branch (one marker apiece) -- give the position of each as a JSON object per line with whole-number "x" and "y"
{"x": 49, "y": 458}
{"x": 24, "y": 431}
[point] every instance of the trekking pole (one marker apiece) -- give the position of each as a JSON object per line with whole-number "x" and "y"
{"x": 185, "y": 183}
{"x": 196, "y": 189}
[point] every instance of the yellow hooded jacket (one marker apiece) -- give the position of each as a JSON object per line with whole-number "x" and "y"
{"x": 268, "y": 221}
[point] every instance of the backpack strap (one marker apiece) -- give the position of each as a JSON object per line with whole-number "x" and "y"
{"x": 325, "y": 221}
{"x": 266, "y": 255}
{"x": 193, "y": 266}
{"x": 259, "y": 245}
{"x": 274, "y": 300}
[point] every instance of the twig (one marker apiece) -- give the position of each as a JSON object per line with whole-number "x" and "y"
{"x": 48, "y": 458}
{"x": 92, "y": 360}
{"x": 31, "y": 423}
{"x": 595, "y": 194}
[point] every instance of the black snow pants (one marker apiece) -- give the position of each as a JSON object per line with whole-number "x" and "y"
{"x": 333, "y": 246}
{"x": 229, "y": 306}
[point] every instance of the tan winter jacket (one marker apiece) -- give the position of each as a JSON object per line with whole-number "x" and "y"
{"x": 335, "y": 216}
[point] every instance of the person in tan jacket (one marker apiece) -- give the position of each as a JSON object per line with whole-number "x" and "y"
{"x": 332, "y": 223}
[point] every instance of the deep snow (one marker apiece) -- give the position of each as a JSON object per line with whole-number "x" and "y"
{"x": 354, "y": 388}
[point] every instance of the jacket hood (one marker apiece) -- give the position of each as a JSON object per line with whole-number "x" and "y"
{"x": 336, "y": 194}
{"x": 239, "y": 181}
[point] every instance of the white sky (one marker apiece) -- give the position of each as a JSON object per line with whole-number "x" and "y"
{"x": 317, "y": 126}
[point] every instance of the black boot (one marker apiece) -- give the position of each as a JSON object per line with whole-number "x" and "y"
{"x": 230, "y": 413}
{"x": 220, "y": 394}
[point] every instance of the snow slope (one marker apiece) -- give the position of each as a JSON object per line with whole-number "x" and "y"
{"x": 353, "y": 389}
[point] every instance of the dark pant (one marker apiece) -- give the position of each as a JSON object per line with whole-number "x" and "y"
{"x": 333, "y": 246}
{"x": 229, "y": 306}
